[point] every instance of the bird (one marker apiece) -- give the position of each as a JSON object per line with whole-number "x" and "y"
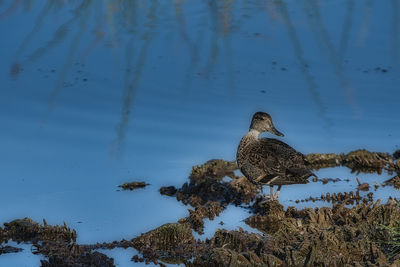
{"x": 268, "y": 161}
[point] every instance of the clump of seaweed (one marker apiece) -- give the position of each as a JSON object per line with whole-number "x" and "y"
{"x": 318, "y": 161}
{"x": 169, "y": 242}
{"x": 214, "y": 169}
{"x": 168, "y": 190}
{"x": 23, "y": 230}
{"x": 236, "y": 248}
{"x": 209, "y": 210}
{"x": 366, "y": 161}
{"x": 358, "y": 161}
{"x": 395, "y": 182}
{"x": 209, "y": 194}
{"x": 307, "y": 237}
{"x": 396, "y": 154}
{"x": 75, "y": 255}
{"x": 57, "y": 243}
{"x": 348, "y": 198}
{"x": 133, "y": 185}
{"x": 325, "y": 236}
{"x": 9, "y": 249}
{"x": 326, "y": 180}
{"x": 390, "y": 241}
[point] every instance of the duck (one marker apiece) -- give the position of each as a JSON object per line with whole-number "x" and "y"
{"x": 269, "y": 161}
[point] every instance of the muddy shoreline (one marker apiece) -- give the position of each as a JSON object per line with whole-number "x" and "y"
{"x": 355, "y": 231}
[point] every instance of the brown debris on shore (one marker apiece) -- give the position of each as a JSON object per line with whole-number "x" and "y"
{"x": 133, "y": 185}
{"x": 214, "y": 169}
{"x": 367, "y": 234}
{"x": 57, "y": 243}
{"x": 348, "y": 198}
{"x": 209, "y": 194}
{"x": 23, "y": 230}
{"x": 9, "y": 249}
{"x": 362, "y": 186}
{"x": 359, "y": 160}
{"x": 325, "y": 236}
{"x": 168, "y": 191}
{"x": 172, "y": 242}
{"x": 395, "y": 182}
{"x": 318, "y": 161}
{"x": 307, "y": 237}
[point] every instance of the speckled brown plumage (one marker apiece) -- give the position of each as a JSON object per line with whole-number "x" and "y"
{"x": 269, "y": 161}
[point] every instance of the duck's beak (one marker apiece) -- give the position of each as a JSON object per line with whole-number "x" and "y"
{"x": 275, "y": 131}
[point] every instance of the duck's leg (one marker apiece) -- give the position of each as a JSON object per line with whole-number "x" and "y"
{"x": 277, "y": 192}
{"x": 271, "y": 192}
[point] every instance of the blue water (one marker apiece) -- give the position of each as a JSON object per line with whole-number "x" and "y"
{"x": 97, "y": 93}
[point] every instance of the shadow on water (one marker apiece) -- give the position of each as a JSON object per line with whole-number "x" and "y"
{"x": 304, "y": 67}
{"x": 132, "y": 80}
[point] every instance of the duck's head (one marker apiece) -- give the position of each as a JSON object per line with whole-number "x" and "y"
{"x": 262, "y": 122}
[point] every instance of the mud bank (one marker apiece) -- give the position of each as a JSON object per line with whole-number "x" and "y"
{"x": 56, "y": 243}
{"x": 354, "y": 231}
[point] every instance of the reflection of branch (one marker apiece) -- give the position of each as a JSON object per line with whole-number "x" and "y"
{"x": 37, "y": 25}
{"x": 131, "y": 85}
{"x": 129, "y": 13}
{"x": 226, "y": 27}
{"x": 11, "y": 9}
{"x": 344, "y": 39}
{"x": 312, "y": 87}
{"x": 366, "y": 21}
{"x": 226, "y": 17}
{"x": 99, "y": 35}
{"x": 182, "y": 29}
{"x": 323, "y": 36}
{"x": 185, "y": 37}
{"x": 214, "y": 38}
{"x": 271, "y": 9}
{"x": 395, "y": 30}
{"x": 82, "y": 13}
{"x": 58, "y": 36}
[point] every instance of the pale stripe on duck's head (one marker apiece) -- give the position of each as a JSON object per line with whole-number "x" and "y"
{"x": 262, "y": 122}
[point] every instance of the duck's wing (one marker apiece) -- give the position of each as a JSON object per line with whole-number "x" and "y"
{"x": 274, "y": 162}
{"x": 283, "y": 154}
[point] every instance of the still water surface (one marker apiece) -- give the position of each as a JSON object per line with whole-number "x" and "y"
{"x": 97, "y": 93}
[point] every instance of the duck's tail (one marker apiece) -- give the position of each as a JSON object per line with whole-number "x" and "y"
{"x": 299, "y": 175}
